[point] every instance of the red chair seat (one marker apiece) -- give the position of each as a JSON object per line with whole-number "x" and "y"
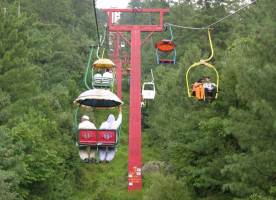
{"x": 166, "y": 61}
{"x": 97, "y": 137}
{"x": 87, "y": 137}
{"x": 165, "y": 45}
{"x": 107, "y": 137}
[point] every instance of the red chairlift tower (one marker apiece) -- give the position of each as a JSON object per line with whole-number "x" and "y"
{"x": 118, "y": 60}
{"x": 135, "y": 153}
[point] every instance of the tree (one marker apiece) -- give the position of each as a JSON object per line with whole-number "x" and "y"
{"x": 18, "y": 77}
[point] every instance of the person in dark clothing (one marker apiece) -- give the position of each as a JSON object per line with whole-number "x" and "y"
{"x": 210, "y": 87}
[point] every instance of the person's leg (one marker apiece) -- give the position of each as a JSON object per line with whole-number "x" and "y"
{"x": 110, "y": 154}
{"x": 92, "y": 153}
{"x": 201, "y": 93}
{"x": 206, "y": 93}
{"x": 214, "y": 92}
{"x": 83, "y": 153}
{"x": 197, "y": 91}
{"x": 102, "y": 153}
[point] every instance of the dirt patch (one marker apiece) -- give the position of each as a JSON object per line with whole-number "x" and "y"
{"x": 152, "y": 166}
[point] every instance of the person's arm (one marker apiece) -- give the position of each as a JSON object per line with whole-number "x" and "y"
{"x": 120, "y": 109}
{"x": 119, "y": 120}
{"x": 196, "y": 84}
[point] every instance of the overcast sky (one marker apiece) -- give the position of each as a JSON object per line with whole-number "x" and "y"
{"x": 112, "y": 3}
{"x": 120, "y": 3}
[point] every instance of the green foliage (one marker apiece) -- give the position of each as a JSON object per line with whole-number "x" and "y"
{"x": 37, "y": 72}
{"x": 5, "y": 192}
{"x": 261, "y": 197}
{"x": 167, "y": 187}
{"x": 11, "y": 166}
{"x": 16, "y": 72}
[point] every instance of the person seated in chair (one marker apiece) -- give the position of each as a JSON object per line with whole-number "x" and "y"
{"x": 98, "y": 78}
{"x": 83, "y": 151}
{"x": 107, "y": 77}
{"x": 199, "y": 90}
{"x": 210, "y": 87}
{"x": 110, "y": 124}
{"x": 108, "y": 74}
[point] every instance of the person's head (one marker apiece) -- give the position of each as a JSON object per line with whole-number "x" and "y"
{"x": 84, "y": 118}
{"x": 200, "y": 80}
{"x": 207, "y": 78}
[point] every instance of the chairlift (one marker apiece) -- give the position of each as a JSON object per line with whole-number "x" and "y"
{"x": 111, "y": 36}
{"x": 148, "y": 90}
{"x": 97, "y": 138}
{"x": 102, "y": 79}
{"x": 164, "y": 48}
{"x": 123, "y": 44}
{"x": 202, "y": 63}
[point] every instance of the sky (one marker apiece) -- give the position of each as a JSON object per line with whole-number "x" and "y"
{"x": 118, "y": 3}
{"x": 112, "y": 3}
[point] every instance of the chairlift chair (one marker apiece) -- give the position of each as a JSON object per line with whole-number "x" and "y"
{"x": 97, "y": 138}
{"x": 202, "y": 63}
{"x": 99, "y": 81}
{"x": 165, "y": 47}
{"x": 148, "y": 91}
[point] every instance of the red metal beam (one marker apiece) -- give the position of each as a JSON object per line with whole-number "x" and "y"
{"x": 114, "y": 59}
{"x": 124, "y": 38}
{"x": 119, "y": 69}
{"x": 137, "y": 10}
{"x": 144, "y": 28}
{"x": 134, "y": 159}
{"x": 129, "y": 28}
{"x": 147, "y": 38}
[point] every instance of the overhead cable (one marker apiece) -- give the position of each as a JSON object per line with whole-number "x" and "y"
{"x": 94, "y": 4}
{"x": 186, "y": 27}
{"x": 105, "y": 30}
{"x": 230, "y": 14}
{"x": 206, "y": 27}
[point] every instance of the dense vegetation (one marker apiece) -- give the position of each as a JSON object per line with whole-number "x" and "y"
{"x": 220, "y": 150}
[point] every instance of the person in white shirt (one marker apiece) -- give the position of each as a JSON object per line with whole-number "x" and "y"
{"x": 83, "y": 151}
{"x": 108, "y": 74}
{"x": 209, "y": 87}
{"x": 110, "y": 124}
{"x": 98, "y": 78}
{"x": 107, "y": 77}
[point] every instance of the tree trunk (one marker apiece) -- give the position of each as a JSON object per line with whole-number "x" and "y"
{"x": 18, "y": 13}
{"x": 5, "y": 12}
